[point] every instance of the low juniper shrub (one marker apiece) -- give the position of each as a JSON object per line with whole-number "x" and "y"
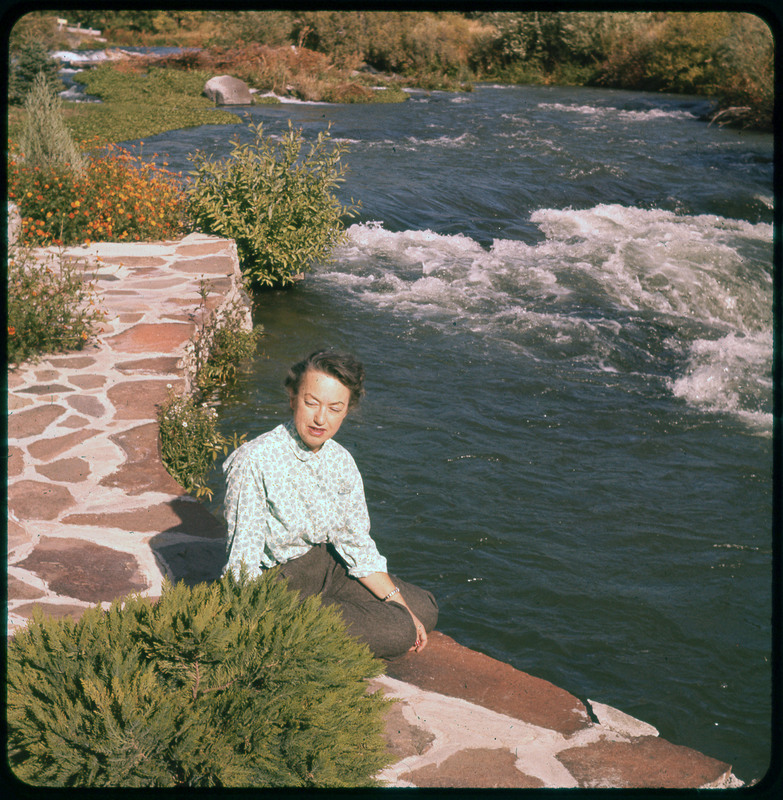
{"x": 236, "y": 683}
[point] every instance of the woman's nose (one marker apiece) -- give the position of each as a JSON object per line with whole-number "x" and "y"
{"x": 318, "y": 416}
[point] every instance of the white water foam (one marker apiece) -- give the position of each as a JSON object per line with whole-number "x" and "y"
{"x": 601, "y": 111}
{"x": 574, "y": 293}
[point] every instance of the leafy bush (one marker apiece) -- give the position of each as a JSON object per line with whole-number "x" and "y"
{"x": 234, "y": 683}
{"x": 51, "y": 307}
{"x": 274, "y": 201}
{"x": 118, "y": 197}
{"x": 29, "y": 60}
{"x": 189, "y": 440}
{"x": 46, "y": 143}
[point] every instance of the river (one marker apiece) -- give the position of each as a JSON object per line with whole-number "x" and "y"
{"x": 563, "y": 298}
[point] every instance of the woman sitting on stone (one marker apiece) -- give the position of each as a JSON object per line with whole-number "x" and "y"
{"x": 295, "y": 497}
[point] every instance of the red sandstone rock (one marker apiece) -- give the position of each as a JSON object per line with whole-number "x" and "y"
{"x": 143, "y": 470}
{"x": 181, "y": 515}
{"x": 135, "y": 261}
{"x": 74, "y": 422}
{"x": 84, "y": 570}
{"x": 214, "y": 265}
{"x": 139, "y": 399}
{"x": 484, "y": 768}
{"x": 47, "y": 449}
{"x": 38, "y": 499}
{"x": 87, "y": 381}
{"x": 644, "y": 762}
{"x": 402, "y": 738}
{"x": 47, "y": 375}
{"x": 15, "y": 461}
{"x": 447, "y": 667}
{"x": 46, "y": 388}
{"x": 159, "y": 364}
{"x": 205, "y": 249}
{"x": 33, "y": 421}
{"x": 16, "y": 535}
{"x": 15, "y": 402}
{"x": 18, "y": 590}
{"x": 162, "y": 337}
{"x": 72, "y": 362}
{"x": 54, "y": 610}
{"x": 86, "y": 404}
{"x": 72, "y": 470}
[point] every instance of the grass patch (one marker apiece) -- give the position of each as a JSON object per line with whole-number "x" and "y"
{"x": 139, "y": 103}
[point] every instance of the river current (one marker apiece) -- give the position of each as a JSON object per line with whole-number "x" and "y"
{"x": 563, "y": 299}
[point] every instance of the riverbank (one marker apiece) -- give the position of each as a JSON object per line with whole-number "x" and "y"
{"x": 93, "y": 516}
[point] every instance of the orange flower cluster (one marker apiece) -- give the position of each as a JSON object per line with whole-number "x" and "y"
{"x": 119, "y": 197}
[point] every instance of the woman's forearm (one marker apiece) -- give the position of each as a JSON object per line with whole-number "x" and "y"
{"x": 383, "y": 587}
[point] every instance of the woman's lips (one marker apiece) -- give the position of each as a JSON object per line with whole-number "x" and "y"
{"x": 317, "y": 431}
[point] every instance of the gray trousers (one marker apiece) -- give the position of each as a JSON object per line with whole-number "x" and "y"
{"x": 386, "y": 627}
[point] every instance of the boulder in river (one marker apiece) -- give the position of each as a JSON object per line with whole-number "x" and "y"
{"x": 224, "y": 90}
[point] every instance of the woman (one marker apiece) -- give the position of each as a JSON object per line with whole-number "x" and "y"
{"x": 295, "y": 497}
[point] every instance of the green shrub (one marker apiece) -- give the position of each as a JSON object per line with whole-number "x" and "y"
{"x": 29, "y": 60}
{"x": 51, "y": 306}
{"x": 45, "y": 142}
{"x": 231, "y": 684}
{"x": 189, "y": 440}
{"x": 275, "y": 202}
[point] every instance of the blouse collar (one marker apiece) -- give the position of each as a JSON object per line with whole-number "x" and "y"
{"x": 299, "y": 448}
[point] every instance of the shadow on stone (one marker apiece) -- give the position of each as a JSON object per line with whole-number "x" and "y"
{"x": 191, "y": 560}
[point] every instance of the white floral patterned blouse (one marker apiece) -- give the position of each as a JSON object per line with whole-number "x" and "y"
{"x": 282, "y": 498}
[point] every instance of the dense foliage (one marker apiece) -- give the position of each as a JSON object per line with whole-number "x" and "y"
{"x": 274, "y": 200}
{"x": 190, "y": 442}
{"x": 30, "y": 61}
{"x": 51, "y": 306}
{"x": 726, "y": 55}
{"x": 234, "y": 683}
{"x": 117, "y": 197}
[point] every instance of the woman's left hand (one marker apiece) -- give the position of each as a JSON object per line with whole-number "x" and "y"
{"x": 421, "y": 635}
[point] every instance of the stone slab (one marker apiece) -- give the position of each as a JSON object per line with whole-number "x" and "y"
{"x": 87, "y": 404}
{"x": 69, "y": 470}
{"x": 38, "y": 499}
{"x": 15, "y": 461}
{"x": 47, "y": 449}
{"x": 140, "y": 399}
{"x": 157, "y": 365}
{"x": 644, "y": 762}
{"x": 53, "y": 610}
{"x": 192, "y": 562}
{"x": 142, "y": 470}
{"x": 447, "y": 667}
{"x": 479, "y": 768}
{"x": 33, "y": 421}
{"x": 402, "y": 738}
{"x": 85, "y": 570}
{"x": 19, "y": 590}
{"x": 72, "y": 362}
{"x": 87, "y": 381}
{"x": 163, "y": 337}
{"x": 180, "y": 515}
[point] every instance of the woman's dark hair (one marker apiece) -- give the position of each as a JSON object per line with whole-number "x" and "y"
{"x": 342, "y": 366}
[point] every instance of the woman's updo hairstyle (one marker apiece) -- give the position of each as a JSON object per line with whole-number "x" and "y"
{"x": 342, "y": 366}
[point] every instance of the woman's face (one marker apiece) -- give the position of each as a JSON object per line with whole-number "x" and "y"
{"x": 319, "y": 408}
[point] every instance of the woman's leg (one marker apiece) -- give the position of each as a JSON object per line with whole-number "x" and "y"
{"x": 386, "y": 627}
